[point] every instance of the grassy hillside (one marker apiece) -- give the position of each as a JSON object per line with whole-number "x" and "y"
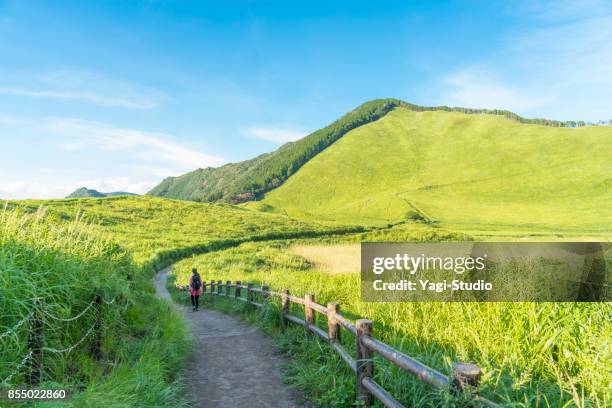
{"x": 467, "y": 172}
{"x": 84, "y": 192}
{"x": 247, "y": 180}
{"x": 156, "y": 230}
{"x": 209, "y": 184}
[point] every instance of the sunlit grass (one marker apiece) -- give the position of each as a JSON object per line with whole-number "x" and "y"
{"x": 463, "y": 172}
{"x": 532, "y": 354}
{"x": 61, "y": 265}
{"x": 157, "y": 231}
{"x": 541, "y": 355}
{"x": 65, "y": 251}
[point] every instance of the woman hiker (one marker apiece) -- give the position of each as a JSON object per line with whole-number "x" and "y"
{"x": 195, "y": 288}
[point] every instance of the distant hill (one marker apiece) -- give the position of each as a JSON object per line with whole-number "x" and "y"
{"x": 209, "y": 184}
{"x": 463, "y": 171}
{"x": 248, "y": 180}
{"x": 84, "y": 192}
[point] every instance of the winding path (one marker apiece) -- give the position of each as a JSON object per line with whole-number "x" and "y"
{"x": 233, "y": 364}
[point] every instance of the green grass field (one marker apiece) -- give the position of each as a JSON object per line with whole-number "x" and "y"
{"x": 549, "y": 355}
{"x": 64, "y": 264}
{"x": 474, "y": 173}
{"x": 532, "y": 354}
{"x": 65, "y": 251}
{"x": 157, "y": 230}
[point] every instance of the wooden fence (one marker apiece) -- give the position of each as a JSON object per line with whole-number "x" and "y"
{"x": 464, "y": 377}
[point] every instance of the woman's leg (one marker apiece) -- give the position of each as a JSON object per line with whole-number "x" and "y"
{"x": 193, "y": 301}
{"x": 197, "y": 301}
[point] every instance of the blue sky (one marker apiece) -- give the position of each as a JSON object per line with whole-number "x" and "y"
{"x": 116, "y": 95}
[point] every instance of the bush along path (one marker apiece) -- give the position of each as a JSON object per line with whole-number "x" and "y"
{"x": 231, "y": 364}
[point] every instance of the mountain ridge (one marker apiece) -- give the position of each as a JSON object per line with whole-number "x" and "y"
{"x": 85, "y": 192}
{"x": 457, "y": 171}
{"x": 250, "y": 179}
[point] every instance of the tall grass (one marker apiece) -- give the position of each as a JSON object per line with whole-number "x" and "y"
{"x": 532, "y": 354}
{"x": 74, "y": 249}
{"x": 58, "y": 267}
{"x": 549, "y": 354}
{"x": 158, "y": 231}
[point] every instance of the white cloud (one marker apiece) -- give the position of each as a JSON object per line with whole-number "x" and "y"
{"x": 475, "y": 87}
{"x": 77, "y": 153}
{"x": 559, "y": 67}
{"x": 80, "y": 86}
{"x": 555, "y": 10}
{"x": 97, "y": 99}
{"x": 155, "y": 170}
{"x": 275, "y": 134}
{"x": 30, "y": 189}
{"x": 125, "y": 184}
{"x": 10, "y": 120}
{"x": 60, "y": 188}
{"x": 144, "y": 146}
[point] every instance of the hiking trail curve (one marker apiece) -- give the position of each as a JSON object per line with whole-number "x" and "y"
{"x": 233, "y": 364}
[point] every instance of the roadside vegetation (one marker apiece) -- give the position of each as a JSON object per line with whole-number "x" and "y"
{"x": 53, "y": 270}
{"x": 63, "y": 252}
{"x": 532, "y": 354}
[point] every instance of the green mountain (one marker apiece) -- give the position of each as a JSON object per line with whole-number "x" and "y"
{"x": 248, "y": 180}
{"x": 467, "y": 172}
{"x": 209, "y": 184}
{"x": 84, "y": 192}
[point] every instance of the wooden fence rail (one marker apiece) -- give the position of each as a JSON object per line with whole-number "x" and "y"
{"x": 464, "y": 377}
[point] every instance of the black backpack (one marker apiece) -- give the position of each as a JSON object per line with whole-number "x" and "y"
{"x": 196, "y": 282}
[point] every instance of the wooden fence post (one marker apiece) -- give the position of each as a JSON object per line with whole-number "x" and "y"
{"x": 365, "y": 364}
{"x": 249, "y": 292}
{"x": 219, "y": 287}
{"x": 284, "y": 306}
{"x": 464, "y": 377}
{"x": 212, "y": 287}
{"x": 36, "y": 340}
{"x": 96, "y": 344}
{"x": 228, "y": 287}
{"x": 265, "y": 292}
{"x": 333, "y": 332}
{"x": 237, "y": 291}
{"x": 308, "y": 310}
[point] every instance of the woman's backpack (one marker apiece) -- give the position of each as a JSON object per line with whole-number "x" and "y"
{"x": 196, "y": 282}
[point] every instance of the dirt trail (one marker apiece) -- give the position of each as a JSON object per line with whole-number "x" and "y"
{"x": 234, "y": 364}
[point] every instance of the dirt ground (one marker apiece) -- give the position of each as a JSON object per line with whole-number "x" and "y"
{"x": 234, "y": 364}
